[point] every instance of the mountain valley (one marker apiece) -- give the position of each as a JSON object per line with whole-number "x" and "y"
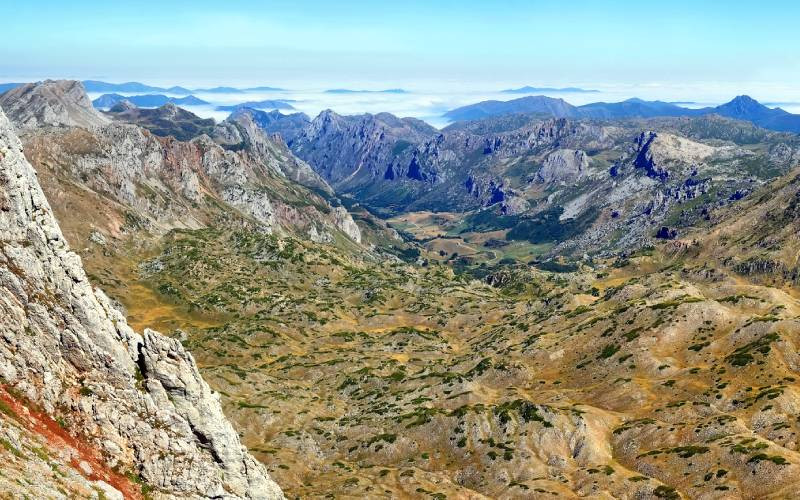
{"x": 521, "y": 306}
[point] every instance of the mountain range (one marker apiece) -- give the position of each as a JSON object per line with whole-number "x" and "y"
{"x": 740, "y": 108}
{"x": 265, "y": 104}
{"x": 527, "y": 89}
{"x": 351, "y": 91}
{"x": 146, "y": 101}
{"x": 397, "y": 165}
{"x": 98, "y": 86}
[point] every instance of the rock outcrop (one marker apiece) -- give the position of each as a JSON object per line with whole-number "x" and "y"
{"x": 344, "y": 221}
{"x": 242, "y": 132}
{"x": 54, "y": 103}
{"x": 660, "y": 153}
{"x": 563, "y": 165}
{"x": 139, "y": 399}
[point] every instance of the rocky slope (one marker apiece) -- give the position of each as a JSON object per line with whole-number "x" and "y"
{"x": 351, "y": 152}
{"x": 759, "y": 238}
{"x": 50, "y": 103}
{"x": 274, "y": 122}
{"x": 244, "y": 130}
{"x": 137, "y": 400}
{"x": 153, "y": 183}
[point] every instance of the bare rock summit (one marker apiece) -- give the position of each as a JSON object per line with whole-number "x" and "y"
{"x": 51, "y": 103}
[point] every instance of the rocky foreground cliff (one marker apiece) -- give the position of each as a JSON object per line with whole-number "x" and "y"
{"x": 130, "y": 408}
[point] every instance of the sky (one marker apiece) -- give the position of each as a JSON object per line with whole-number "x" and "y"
{"x": 710, "y": 50}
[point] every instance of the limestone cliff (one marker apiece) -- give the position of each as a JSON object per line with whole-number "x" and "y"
{"x": 138, "y": 399}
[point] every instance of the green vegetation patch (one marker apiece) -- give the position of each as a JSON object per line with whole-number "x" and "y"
{"x": 743, "y": 356}
{"x": 546, "y": 226}
{"x": 527, "y": 411}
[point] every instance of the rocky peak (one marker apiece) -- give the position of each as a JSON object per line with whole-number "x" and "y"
{"x": 138, "y": 399}
{"x": 54, "y": 103}
{"x": 240, "y": 131}
{"x": 122, "y": 106}
{"x": 326, "y": 121}
{"x": 744, "y": 105}
{"x": 167, "y": 120}
{"x": 274, "y": 122}
{"x": 169, "y": 110}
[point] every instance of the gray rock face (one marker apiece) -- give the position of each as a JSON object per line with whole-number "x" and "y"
{"x": 563, "y": 165}
{"x": 50, "y": 103}
{"x": 274, "y": 122}
{"x": 241, "y": 131}
{"x": 139, "y": 400}
{"x": 164, "y": 181}
{"x": 344, "y": 221}
{"x": 353, "y": 150}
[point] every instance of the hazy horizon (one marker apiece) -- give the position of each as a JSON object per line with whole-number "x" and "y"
{"x": 447, "y": 53}
{"x": 429, "y": 103}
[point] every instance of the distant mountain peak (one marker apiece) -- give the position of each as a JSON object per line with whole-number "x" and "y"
{"x": 122, "y": 106}
{"x": 528, "y": 89}
{"x": 50, "y": 103}
{"x": 554, "y": 106}
{"x": 146, "y": 101}
{"x": 265, "y": 104}
{"x": 745, "y": 103}
{"x": 745, "y": 99}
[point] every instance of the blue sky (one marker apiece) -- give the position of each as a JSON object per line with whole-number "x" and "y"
{"x": 413, "y": 42}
